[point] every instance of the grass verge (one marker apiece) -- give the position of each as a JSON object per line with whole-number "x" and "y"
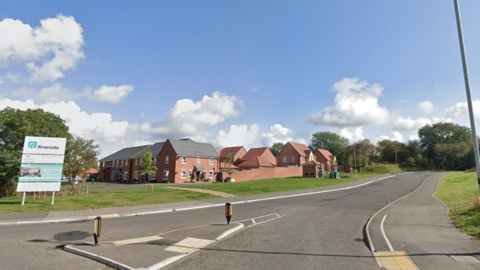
{"x": 457, "y": 189}
{"x": 100, "y": 199}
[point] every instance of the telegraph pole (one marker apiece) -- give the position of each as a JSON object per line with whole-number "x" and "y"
{"x": 355, "y": 162}
{"x": 467, "y": 88}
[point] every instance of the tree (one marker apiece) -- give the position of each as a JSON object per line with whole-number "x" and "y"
{"x": 276, "y": 148}
{"x": 14, "y": 126}
{"x": 363, "y": 152}
{"x": 393, "y": 151}
{"x": 228, "y": 165}
{"x": 80, "y": 156}
{"x": 147, "y": 164}
{"x": 336, "y": 144}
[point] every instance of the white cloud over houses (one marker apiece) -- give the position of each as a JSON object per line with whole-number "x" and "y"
{"x": 46, "y": 51}
{"x": 355, "y": 105}
{"x": 352, "y": 134}
{"x": 461, "y": 110}
{"x": 112, "y": 94}
{"x": 188, "y": 118}
{"x": 240, "y": 135}
{"x": 426, "y": 107}
{"x": 277, "y": 133}
{"x": 409, "y": 124}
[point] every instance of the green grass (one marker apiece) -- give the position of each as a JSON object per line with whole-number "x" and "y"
{"x": 99, "y": 199}
{"x": 90, "y": 186}
{"x": 457, "y": 189}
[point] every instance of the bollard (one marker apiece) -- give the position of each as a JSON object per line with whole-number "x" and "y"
{"x": 228, "y": 212}
{"x": 97, "y": 228}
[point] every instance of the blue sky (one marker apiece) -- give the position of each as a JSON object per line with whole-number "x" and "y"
{"x": 239, "y": 72}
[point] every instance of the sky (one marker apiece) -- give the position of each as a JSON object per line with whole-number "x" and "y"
{"x": 250, "y": 73}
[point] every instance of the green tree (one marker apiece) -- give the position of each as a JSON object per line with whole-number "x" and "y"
{"x": 393, "y": 151}
{"x": 14, "y": 126}
{"x": 80, "y": 156}
{"x": 276, "y": 148}
{"x": 147, "y": 165}
{"x": 336, "y": 144}
{"x": 228, "y": 165}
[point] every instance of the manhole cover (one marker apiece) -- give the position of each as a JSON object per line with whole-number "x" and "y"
{"x": 71, "y": 236}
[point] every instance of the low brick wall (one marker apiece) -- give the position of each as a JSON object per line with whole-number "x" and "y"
{"x": 265, "y": 173}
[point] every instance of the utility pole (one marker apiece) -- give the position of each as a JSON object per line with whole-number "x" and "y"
{"x": 355, "y": 162}
{"x": 467, "y": 88}
{"x": 396, "y": 162}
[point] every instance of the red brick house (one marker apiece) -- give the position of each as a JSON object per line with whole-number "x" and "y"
{"x": 137, "y": 168}
{"x": 313, "y": 169}
{"x": 294, "y": 154}
{"x": 236, "y": 152}
{"x": 186, "y": 160}
{"x": 256, "y": 158}
{"x": 118, "y": 166}
{"x": 325, "y": 157}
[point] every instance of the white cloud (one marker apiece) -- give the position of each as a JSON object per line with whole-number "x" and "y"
{"x": 397, "y": 136}
{"x": 413, "y": 137}
{"x": 425, "y": 107}
{"x": 254, "y": 89}
{"x": 352, "y": 134}
{"x": 142, "y": 142}
{"x": 189, "y": 118}
{"x": 409, "y": 124}
{"x": 97, "y": 126}
{"x": 461, "y": 109}
{"x": 237, "y": 136}
{"x": 113, "y": 94}
{"x": 47, "y": 51}
{"x": 54, "y": 93}
{"x": 355, "y": 105}
{"x": 277, "y": 133}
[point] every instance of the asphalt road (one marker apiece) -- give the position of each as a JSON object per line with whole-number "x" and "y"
{"x": 315, "y": 232}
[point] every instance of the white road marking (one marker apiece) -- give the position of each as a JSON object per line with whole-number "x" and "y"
{"x": 189, "y": 244}
{"x": 137, "y": 240}
{"x": 384, "y": 235}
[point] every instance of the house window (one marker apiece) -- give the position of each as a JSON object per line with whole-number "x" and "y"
{"x": 211, "y": 161}
{"x": 189, "y": 174}
{"x": 135, "y": 174}
{"x": 155, "y": 160}
{"x": 136, "y": 162}
{"x": 198, "y": 160}
{"x": 153, "y": 176}
{"x": 183, "y": 174}
{"x": 126, "y": 162}
{"x": 112, "y": 176}
{"x": 166, "y": 160}
{"x": 292, "y": 159}
{"x": 184, "y": 160}
{"x": 210, "y": 174}
{"x": 165, "y": 175}
{"x": 103, "y": 164}
{"x": 303, "y": 159}
{"x": 125, "y": 175}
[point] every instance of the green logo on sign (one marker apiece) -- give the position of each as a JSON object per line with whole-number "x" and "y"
{"x": 32, "y": 144}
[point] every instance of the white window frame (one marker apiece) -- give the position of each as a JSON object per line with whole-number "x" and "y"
{"x": 183, "y": 174}
{"x": 112, "y": 176}
{"x": 184, "y": 160}
{"x": 125, "y": 175}
{"x": 136, "y": 161}
{"x": 135, "y": 175}
{"x": 303, "y": 159}
{"x": 166, "y": 159}
{"x": 285, "y": 159}
{"x": 190, "y": 174}
{"x": 153, "y": 176}
{"x": 155, "y": 160}
{"x": 211, "y": 161}
{"x": 292, "y": 159}
{"x": 210, "y": 174}
{"x": 166, "y": 175}
{"x": 198, "y": 160}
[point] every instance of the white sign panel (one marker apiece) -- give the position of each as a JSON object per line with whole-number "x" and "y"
{"x": 42, "y": 164}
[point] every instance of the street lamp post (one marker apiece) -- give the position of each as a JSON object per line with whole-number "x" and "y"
{"x": 355, "y": 162}
{"x": 467, "y": 88}
{"x": 396, "y": 162}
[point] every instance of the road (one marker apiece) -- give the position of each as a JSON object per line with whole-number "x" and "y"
{"x": 321, "y": 231}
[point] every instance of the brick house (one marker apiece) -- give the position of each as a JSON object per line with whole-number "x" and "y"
{"x": 186, "y": 160}
{"x": 294, "y": 154}
{"x": 236, "y": 152}
{"x": 313, "y": 169}
{"x": 256, "y": 158}
{"x": 118, "y": 166}
{"x": 325, "y": 157}
{"x": 137, "y": 168}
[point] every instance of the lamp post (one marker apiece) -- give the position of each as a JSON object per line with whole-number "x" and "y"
{"x": 355, "y": 162}
{"x": 396, "y": 162}
{"x": 467, "y": 88}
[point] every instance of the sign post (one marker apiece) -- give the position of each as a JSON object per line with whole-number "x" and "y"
{"x": 42, "y": 165}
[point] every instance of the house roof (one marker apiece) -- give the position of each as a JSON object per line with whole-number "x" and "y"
{"x": 125, "y": 153}
{"x": 224, "y": 166}
{"x": 326, "y": 154}
{"x": 301, "y": 149}
{"x": 155, "y": 149}
{"x": 224, "y": 152}
{"x": 312, "y": 163}
{"x": 255, "y": 152}
{"x": 255, "y": 162}
{"x": 188, "y": 147}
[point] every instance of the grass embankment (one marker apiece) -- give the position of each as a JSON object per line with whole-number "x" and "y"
{"x": 99, "y": 199}
{"x": 457, "y": 189}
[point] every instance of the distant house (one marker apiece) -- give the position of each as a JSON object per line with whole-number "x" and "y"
{"x": 118, "y": 166}
{"x": 256, "y": 158}
{"x": 325, "y": 157}
{"x": 236, "y": 152}
{"x": 294, "y": 154}
{"x": 186, "y": 160}
{"x": 137, "y": 168}
{"x": 313, "y": 169}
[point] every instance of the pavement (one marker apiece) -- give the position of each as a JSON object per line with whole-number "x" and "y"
{"x": 417, "y": 232}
